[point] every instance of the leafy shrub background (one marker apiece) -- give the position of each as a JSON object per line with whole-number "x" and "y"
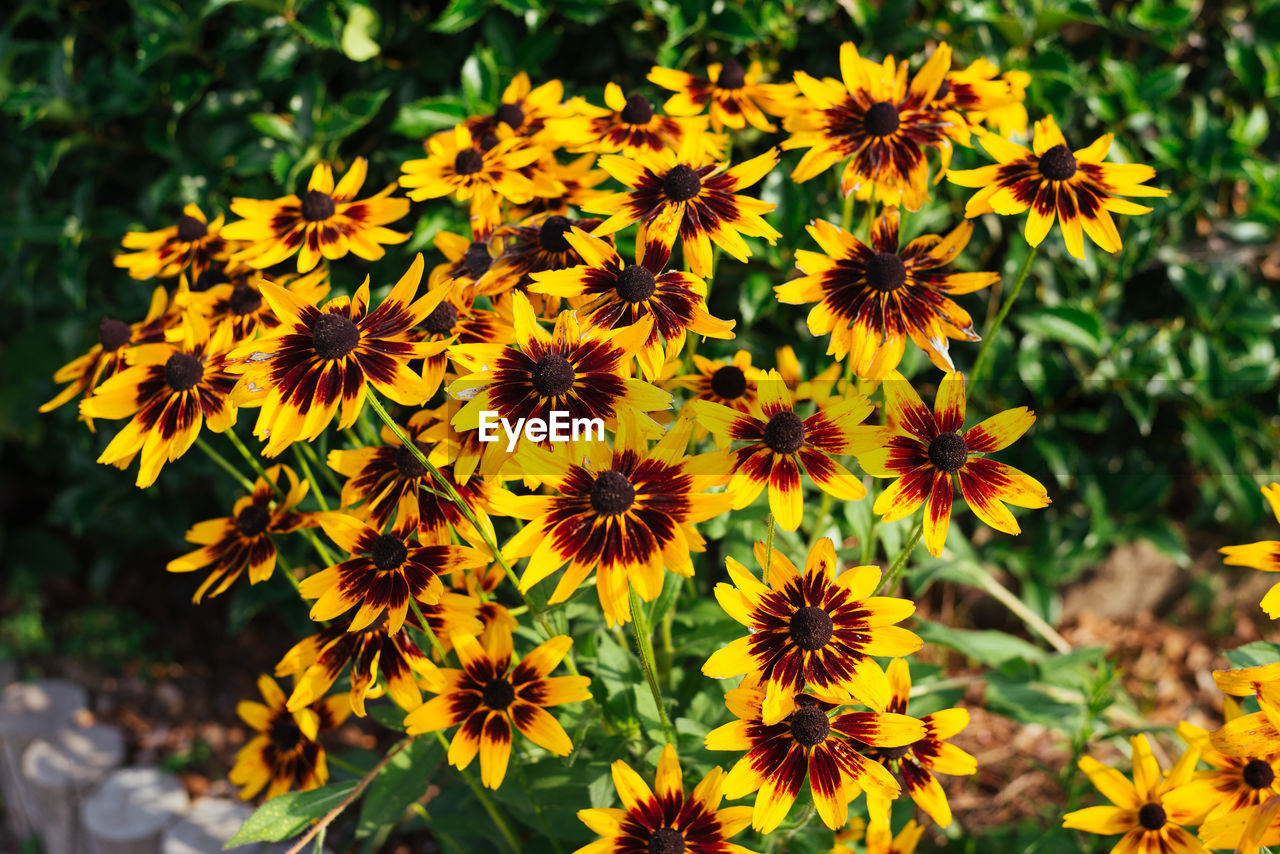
{"x": 1154, "y": 371}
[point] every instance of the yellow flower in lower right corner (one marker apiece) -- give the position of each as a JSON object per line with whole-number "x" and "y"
{"x": 1138, "y": 809}
{"x": 926, "y": 450}
{"x": 1263, "y": 555}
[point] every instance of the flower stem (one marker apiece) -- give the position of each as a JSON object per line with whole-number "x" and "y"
{"x": 225, "y": 464}
{"x": 846, "y": 210}
{"x": 644, "y": 643}
{"x": 989, "y": 333}
{"x": 768, "y": 547}
{"x": 323, "y": 468}
{"x": 900, "y": 562}
{"x": 311, "y": 479}
{"x": 508, "y": 836}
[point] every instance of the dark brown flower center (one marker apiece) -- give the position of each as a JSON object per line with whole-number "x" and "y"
{"x": 468, "y": 162}
{"x": 636, "y": 283}
{"x": 612, "y": 493}
{"x": 732, "y": 75}
{"x": 284, "y": 733}
{"x": 388, "y": 552}
{"x": 210, "y": 278}
{"x": 1058, "y": 163}
{"x": 408, "y": 465}
{"x": 810, "y": 726}
{"x": 1152, "y": 816}
{"x": 191, "y": 229}
{"x": 1258, "y": 774}
{"x": 638, "y": 110}
{"x": 498, "y": 693}
{"x": 886, "y": 272}
{"x": 811, "y": 628}
{"x": 666, "y": 840}
{"x": 893, "y": 753}
{"x": 334, "y": 336}
{"x": 551, "y": 234}
{"x": 252, "y": 520}
{"x": 510, "y": 115}
{"x": 784, "y": 434}
{"x": 477, "y": 259}
{"x": 881, "y": 119}
{"x": 943, "y": 90}
{"x": 681, "y": 184}
{"x": 487, "y": 142}
{"x": 113, "y": 334}
{"x": 948, "y": 452}
{"x": 183, "y": 371}
{"x": 441, "y": 320}
{"x": 317, "y": 206}
{"x": 552, "y": 375}
{"x": 244, "y": 300}
{"x": 729, "y": 382}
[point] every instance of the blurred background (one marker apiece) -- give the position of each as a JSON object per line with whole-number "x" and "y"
{"x": 1153, "y": 372}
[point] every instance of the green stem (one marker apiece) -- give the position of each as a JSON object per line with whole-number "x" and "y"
{"x": 426, "y": 629}
{"x": 989, "y": 334}
{"x": 644, "y": 643}
{"x": 768, "y": 547}
{"x": 323, "y": 468}
{"x": 311, "y": 478}
{"x": 537, "y": 805}
{"x": 846, "y": 211}
{"x": 1031, "y": 618}
{"x": 225, "y": 464}
{"x": 508, "y": 836}
{"x": 823, "y": 509}
{"x": 899, "y": 563}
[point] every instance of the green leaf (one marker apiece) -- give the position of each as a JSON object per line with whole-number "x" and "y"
{"x": 359, "y": 34}
{"x": 275, "y": 126}
{"x": 420, "y": 118}
{"x": 459, "y": 15}
{"x": 991, "y": 648}
{"x": 1254, "y": 654}
{"x": 1072, "y": 326}
{"x": 289, "y": 814}
{"x": 401, "y": 781}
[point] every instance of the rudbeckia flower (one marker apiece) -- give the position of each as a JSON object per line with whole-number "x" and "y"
{"x": 624, "y": 514}
{"x": 806, "y": 743}
{"x": 109, "y": 356}
{"x": 880, "y": 839}
{"x": 456, "y": 166}
{"x": 1232, "y": 784}
{"x": 676, "y": 196}
{"x": 284, "y": 755}
{"x": 239, "y": 303}
{"x": 663, "y": 820}
{"x": 193, "y": 244}
{"x": 326, "y": 222}
{"x": 871, "y": 299}
{"x": 1263, "y": 555}
{"x": 1141, "y": 809}
{"x": 628, "y": 124}
{"x": 1051, "y": 180}
{"x": 171, "y": 390}
{"x": 926, "y": 452}
{"x": 735, "y": 94}
{"x": 384, "y": 572}
{"x": 981, "y": 94}
{"x": 779, "y": 445}
{"x": 320, "y": 358}
{"x": 882, "y": 124}
{"x": 814, "y": 629}
{"x": 488, "y": 696}
{"x": 534, "y": 246}
{"x": 579, "y": 177}
{"x": 523, "y": 110}
{"x": 242, "y": 541}
{"x": 733, "y": 383}
{"x": 458, "y": 320}
{"x": 1256, "y": 734}
{"x": 916, "y": 763}
{"x": 466, "y": 260}
{"x": 609, "y": 293}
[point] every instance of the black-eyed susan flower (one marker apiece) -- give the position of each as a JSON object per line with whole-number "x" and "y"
{"x": 664, "y": 820}
{"x": 880, "y": 839}
{"x": 192, "y": 244}
{"x": 806, "y": 743}
{"x": 579, "y": 177}
{"x": 466, "y": 259}
{"x": 735, "y": 95}
{"x": 373, "y": 652}
{"x": 538, "y": 244}
{"x": 1139, "y": 809}
{"x": 458, "y": 319}
{"x": 926, "y": 451}
{"x": 733, "y": 383}
{"x": 1256, "y": 734}
{"x": 872, "y": 299}
{"x": 318, "y": 359}
{"x": 881, "y": 123}
{"x": 1232, "y": 784}
{"x": 108, "y": 356}
{"x": 489, "y": 695}
{"x": 284, "y": 754}
{"x": 574, "y": 369}
{"x": 387, "y": 482}
{"x": 233, "y": 545}
{"x": 384, "y": 572}
{"x": 981, "y": 94}
{"x": 239, "y": 303}
{"x": 1051, "y": 181}
{"x": 1263, "y": 555}
{"x": 682, "y": 196}
{"x": 629, "y": 125}
{"x": 325, "y": 222}
{"x": 624, "y": 514}
{"x": 609, "y": 293}
{"x": 915, "y": 764}
{"x": 779, "y": 445}
{"x": 455, "y": 614}
{"x": 523, "y": 110}
{"x": 172, "y": 391}
{"x": 814, "y": 629}
{"x": 456, "y": 166}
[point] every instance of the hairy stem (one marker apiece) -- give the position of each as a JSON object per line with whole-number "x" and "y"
{"x": 644, "y": 643}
